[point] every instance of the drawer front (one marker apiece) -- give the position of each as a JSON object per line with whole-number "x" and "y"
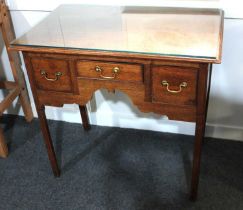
{"x": 110, "y": 71}
{"x": 52, "y": 74}
{"x": 174, "y": 85}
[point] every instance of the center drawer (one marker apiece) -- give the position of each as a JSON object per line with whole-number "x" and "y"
{"x": 110, "y": 71}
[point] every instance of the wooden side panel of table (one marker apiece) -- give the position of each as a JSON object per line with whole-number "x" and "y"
{"x": 177, "y": 89}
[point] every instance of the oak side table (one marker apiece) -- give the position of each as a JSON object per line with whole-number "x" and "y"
{"x": 160, "y": 57}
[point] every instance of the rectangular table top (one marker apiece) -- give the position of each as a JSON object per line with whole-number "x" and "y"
{"x": 158, "y": 31}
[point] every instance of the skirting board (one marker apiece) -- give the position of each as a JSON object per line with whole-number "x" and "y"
{"x": 70, "y": 113}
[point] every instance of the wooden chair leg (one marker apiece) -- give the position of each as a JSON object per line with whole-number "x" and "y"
{"x": 25, "y": 103}
{"x": 19, "y": 86}
{"x": 48, "y": 141}
{"x": 3, "y": 146}
{"x": 85, "y": 117}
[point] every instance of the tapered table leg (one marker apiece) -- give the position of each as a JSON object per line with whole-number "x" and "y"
{"x": 48, "y": 141}
{"x": 199, "y": 136}
{"x": 200, "y": 128}
{"x": 85, "y": 117}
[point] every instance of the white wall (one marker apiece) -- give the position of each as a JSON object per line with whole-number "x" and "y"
{"x": 225, "y": 118}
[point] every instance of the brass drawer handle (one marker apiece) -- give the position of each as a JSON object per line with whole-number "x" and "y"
{"x": 57, "y": 75}
{"x": 182, "y": 85}
{"x": 115, "y": 71}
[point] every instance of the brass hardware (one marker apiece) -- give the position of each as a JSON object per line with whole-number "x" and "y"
{"x": 182, "y": 85}
{"x": 115, "y": 71}
{"x": 57, "y": 75}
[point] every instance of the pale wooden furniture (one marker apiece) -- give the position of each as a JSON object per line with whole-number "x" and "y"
{"x": 16, "y": 88}
{"x": 159, "y": 57}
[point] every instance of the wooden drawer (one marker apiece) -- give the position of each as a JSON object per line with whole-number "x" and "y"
{"x": 174, "y": 85}
{"x": 110, "y": 71}
{"x": 52, "y": 74}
